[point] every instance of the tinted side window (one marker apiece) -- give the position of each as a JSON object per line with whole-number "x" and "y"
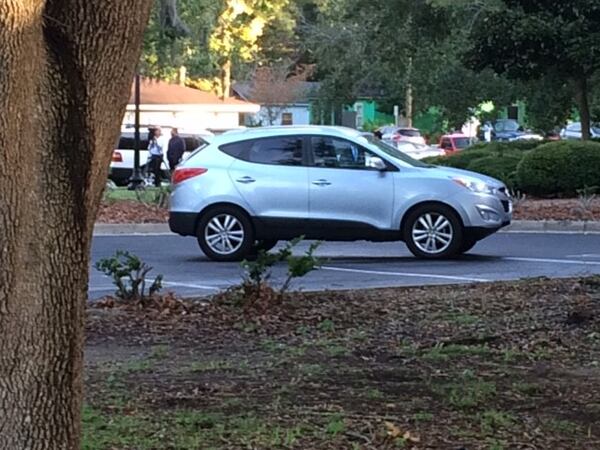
{"x": 127, "y": 143}
{"x": 278, "y": 151}
{"x": 282, "y": 151}
{"x": 340, "y": 154}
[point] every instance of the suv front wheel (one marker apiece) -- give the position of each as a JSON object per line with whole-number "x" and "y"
{"x": 433, "y": 232}
{"x": 225, "y": 234}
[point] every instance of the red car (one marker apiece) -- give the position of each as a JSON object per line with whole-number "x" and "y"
{"x": 452, "y": 143}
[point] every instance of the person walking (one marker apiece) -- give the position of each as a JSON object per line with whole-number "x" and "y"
{"x": 176, "y": 149}
{"x": 156, "y": 154}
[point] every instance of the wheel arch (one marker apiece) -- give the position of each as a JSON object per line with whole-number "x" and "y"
{"x": 410, "y": 210}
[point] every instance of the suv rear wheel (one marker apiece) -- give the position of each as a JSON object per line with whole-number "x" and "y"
{"x": 225, "y": 234}
{"x": 433, "y": 232}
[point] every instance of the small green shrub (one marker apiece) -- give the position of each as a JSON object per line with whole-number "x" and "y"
{"x": 258, "y": 272}
{"x": 128, "y": 273}
{"x": 503, "y": 168}
{"x": 560, "y": 168}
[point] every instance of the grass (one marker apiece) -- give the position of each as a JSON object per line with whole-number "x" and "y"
{"x": 148, "y": 195}
{"x": 468, "y": 393}
{"x": 326, "y": 373}
{"x": 446, "y": 352}
{"x": 492, "y": 420}
{"x": 182, "y": 429}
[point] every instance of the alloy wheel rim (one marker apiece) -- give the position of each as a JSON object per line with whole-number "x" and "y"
{"x": 432, "y": 233}
{"x": 224, "y": 234}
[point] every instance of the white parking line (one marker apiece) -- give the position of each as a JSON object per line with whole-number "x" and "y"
{"x": 555, "y": 261}
{"x": 407, "y": 274}
{"x": 192, "y": 286}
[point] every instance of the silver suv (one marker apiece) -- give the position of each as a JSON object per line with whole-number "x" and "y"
{"x": 247, "y": 190}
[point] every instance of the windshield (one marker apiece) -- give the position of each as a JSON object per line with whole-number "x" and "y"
{"x": 506, "y": 125}
{"x": 596, "y": 128}
{"x": 462, "y": 143}
{"x": 395, "y": 153}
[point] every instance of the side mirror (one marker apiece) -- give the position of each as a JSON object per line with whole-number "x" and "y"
{"x": 377, "y": 163}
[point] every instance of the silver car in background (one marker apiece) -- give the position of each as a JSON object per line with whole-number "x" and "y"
{"x": 247, "y": 190}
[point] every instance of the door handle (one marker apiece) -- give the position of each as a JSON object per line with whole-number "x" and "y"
{"x": 246, "y": 180}
{"x": 321, "y": 183}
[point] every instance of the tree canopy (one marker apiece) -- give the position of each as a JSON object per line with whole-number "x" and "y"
{"x": 529, "y": 39}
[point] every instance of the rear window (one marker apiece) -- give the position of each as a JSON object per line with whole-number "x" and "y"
{"x": 281, "y": 151}
{"x": 462, "y": 143}
{"x": 409, "y": 133}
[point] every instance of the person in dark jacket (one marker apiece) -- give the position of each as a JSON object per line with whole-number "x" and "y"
{"x": 176, "y": 149}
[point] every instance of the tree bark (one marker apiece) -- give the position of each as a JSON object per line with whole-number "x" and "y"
{"x": 66, "y": 68}
{"x": 226, "y": 79}
{"x": 584, "y": 107}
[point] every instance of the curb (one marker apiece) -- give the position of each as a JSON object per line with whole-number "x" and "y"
{"x": 518, "y": 226}
{"x": 553, "y": 226}
{"x": 106, "y": 229}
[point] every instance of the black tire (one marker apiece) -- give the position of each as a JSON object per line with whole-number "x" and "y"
{"x": 468, "y": 244}
{"x": 243, "y": 229}
{"x": 413, "y": 226}
{"x": 265, "y": 245}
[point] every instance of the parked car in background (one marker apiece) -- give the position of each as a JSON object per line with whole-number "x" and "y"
{"x": 452, "y": 143}
{"x": 501, "y": 130}
{"x": 573, "y": 131}
{"x": 245, "y": 191}
{"x": 419, "y": 151}
{"x": 121, "y": 166}
{"x": 394, "y": 135}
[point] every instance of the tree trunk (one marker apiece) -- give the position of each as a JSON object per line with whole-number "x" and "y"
{"x": 66, "y": 68}
{"x": 409, "y": 95}
{"x": 584, "y": 107}
{"x": 226, "y": 79}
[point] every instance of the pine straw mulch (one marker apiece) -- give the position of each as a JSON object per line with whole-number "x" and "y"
{"x": 495, "y": 366}
{"x": 127, "y": 212}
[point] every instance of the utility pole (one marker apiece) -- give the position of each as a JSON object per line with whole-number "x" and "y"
{"x": 136, "y": 177}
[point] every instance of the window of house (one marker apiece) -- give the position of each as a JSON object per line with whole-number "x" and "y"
{"x": 287, "y": 119}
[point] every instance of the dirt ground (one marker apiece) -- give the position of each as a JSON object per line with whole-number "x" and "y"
{"x": 494, "y": 366}
{"x": 128, "y": 211}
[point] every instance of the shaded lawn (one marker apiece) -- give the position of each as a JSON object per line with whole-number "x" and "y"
{"x": 494, "y": 366}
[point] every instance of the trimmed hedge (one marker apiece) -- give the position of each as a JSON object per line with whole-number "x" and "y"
{"x": 560, "y": 168}
{"x": 501, "y": 167}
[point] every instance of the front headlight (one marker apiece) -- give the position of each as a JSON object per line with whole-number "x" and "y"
{"x": 476, "y": 186}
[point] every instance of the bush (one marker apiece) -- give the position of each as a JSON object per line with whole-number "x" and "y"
{"x": 560, "y": 168}
{"x": 128, "y": 273}
{"x": 500, "y": 147}
{"x": 503, "y": 167}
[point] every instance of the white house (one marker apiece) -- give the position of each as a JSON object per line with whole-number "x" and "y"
{"x": 167, "y": 104}
{"x": 296, "y": 110}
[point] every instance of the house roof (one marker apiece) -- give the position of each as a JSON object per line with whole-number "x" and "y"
{"x": 307, "y": 91}
{"x": 154, "y": 92}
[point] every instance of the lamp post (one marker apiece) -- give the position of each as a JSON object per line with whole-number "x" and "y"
{"x": 136, "y": 179}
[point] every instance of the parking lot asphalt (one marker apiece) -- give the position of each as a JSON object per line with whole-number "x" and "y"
{"x": 358, "y": 265}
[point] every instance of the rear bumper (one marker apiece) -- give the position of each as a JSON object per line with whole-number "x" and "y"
{"x": 183, "y": 223}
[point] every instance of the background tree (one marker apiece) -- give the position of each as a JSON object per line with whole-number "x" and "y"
{"x": 531, "y": 38}
{"x": 275, "y": 88}
{"x": 66, "y": 69}
{"x": 240, "y": 26}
